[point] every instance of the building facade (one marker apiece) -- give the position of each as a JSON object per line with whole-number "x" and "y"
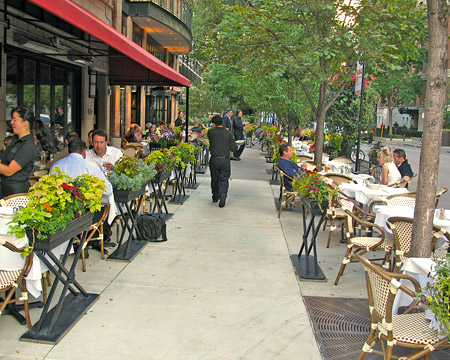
{"x": 95, "y": 64}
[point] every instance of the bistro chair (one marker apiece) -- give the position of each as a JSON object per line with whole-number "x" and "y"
{"x": 403, "y": 183}
{"x": 287, "y": 197}
{"x": 95, "y": 233}
{"x": 17, "y": 200}
{"x": 410, "y": 329}
{"x": 339, "y": 179}
{"x": 439, "y": 193}
{"x": 402, "y": 229}
{"x": 34, "y": 178}
{"x": 13, "y": 279}
{"x": 132, "y": 149}
{"x": 408, "y": 200}
{"x": 362, "y": 243}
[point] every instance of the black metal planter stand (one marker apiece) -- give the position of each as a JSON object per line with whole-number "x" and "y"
{"x": 192, "y": 181}
{"x": 131, "y": 200}
{"x": 203, "y": 161}
{"x": 179, "y": 196}
{"x": 305, "y": 263}
{"x": 160, "y": 196}
{"x": 55, "y": 323}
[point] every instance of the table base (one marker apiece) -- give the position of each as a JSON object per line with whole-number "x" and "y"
{"x": 74, "y": 307}
{"x": 192, "y": 186}
{"x": 13, "y": 310}
{"x": 166, "y": 216}
{"x": 129, "y": 251}
{"x": 179, "y": 199}
{"x": 303, "y": 273}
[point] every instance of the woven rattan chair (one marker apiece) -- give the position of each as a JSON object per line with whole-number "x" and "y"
{"x": 95, "y": 232}
{"x": 34, "y": 178}
{"x": 402, "y": 229}
{"x": 17, "y": 200}
{"x": 403, "y": 183}
{"x": 339, "y": 179}
{"x": 408, "y": 199}
{"x": 362, "y": 243}
{"x": 132, "y": 149}
{"x": 288, "y": 197}
{"x": 11, "y": 280}
{"x": 439, "y": 193}
{"x": 410, "y": 330}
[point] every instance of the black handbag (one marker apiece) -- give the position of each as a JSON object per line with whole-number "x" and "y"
{"x": 152, "y": 227}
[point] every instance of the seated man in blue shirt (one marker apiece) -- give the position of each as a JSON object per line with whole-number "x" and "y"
{"x": 74, "y": 165}
{"x": 288, "y": 166}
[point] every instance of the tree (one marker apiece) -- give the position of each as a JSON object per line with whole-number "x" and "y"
{"x": 311, "y": 41}
{"x": 438, "y": 16}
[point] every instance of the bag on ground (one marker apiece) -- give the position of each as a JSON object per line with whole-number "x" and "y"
{"x": 152, "y": 227}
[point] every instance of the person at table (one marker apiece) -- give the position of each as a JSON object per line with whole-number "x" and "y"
{"x": 64, "y": 152}
{"x": 389, "y": 172}
{"x": 101, "y": 154}
{"x": 18, "y": 159}
{"x": 179, "y": 120}
{"x": 402, "y": 164}
{"x": 221, "y": 144}
{"x": 75, "y": 164}
{"x": 288, "y": 166}
{"x": 197, "y": 127}
{"x": 134, "y": 135}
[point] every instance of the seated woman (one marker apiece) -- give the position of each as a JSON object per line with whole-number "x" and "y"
{"x": 134, "y": 135}
{"x": 389, "y": 172}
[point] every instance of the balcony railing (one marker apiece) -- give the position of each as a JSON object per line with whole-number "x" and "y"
{"x": 178, "y": 8}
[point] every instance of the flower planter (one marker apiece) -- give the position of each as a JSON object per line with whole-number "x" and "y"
{"x": 160, "y": 177}
{"x": 313, "y": 205}
{"x": 72, "y": 229}
{"x": 123, "y": 196}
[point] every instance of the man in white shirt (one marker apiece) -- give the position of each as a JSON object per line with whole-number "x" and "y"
{"x": 74, "y": 165}
{"x": 101, "y": 154}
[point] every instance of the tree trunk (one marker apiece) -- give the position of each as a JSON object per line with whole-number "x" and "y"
{"x": 320, "y": 123}
{"x": 435, "y": 91}
{"x": 290, "y": 121}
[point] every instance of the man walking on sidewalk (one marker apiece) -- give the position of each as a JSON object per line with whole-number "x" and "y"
{"x": 221, "y": 144}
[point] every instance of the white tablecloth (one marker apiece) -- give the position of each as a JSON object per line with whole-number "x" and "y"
{"x": 10, "y": 260}
{"x": 365, "y": 195}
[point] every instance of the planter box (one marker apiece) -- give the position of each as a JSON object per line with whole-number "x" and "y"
{"x": 160, "y": 177}
{"x": 313, "y": 205}
{"x": 123, "y": 196}
{"x": 72, "y": 229}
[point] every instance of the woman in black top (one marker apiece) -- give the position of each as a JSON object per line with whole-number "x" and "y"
{"x": 18, "y": 160}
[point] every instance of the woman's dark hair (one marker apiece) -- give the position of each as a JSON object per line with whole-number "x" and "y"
{"x": 25, "y": 114}
{"x": 238, "y": 111}
{"x": 44, "y": 137}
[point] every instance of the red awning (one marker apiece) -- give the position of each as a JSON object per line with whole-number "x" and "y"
{"x": 137, "y": 67}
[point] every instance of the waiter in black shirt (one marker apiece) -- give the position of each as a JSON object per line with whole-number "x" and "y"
{"x": 221, "y": 144}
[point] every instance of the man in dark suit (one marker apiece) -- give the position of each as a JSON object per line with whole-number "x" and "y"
{"x": 227, "y": 120}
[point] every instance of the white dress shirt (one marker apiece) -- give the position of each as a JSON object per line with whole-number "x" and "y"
{"x": 112, "y": 155}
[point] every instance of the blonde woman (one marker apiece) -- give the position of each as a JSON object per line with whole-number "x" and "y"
{"x": 389, "y": 172}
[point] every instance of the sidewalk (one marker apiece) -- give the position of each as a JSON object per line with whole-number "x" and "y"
{"x": 222, "y": 287}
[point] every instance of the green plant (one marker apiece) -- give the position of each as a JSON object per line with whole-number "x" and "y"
{"x": 163, "y": 160}
{"x": 57, "y": 199}
{"x": 311, "y": 185}
{"x": 185, "y": 154}
{"x": 131, "y": 173}
{"x": 436, "y": 295}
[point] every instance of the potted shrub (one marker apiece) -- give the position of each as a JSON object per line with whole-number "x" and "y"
{"x": 56, "y": 201}
{"x": 164, "y": 162}
{"x": 314, "y": 191}
{"x": 129, "y": 177}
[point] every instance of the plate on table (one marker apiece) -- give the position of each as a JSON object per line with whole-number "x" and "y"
{"x": 240, "y": 142}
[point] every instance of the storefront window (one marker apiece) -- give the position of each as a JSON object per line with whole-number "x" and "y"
{"x": 29, "y": 81}
{"x": 44, "y": 94}
{"x": 12, "y": 88}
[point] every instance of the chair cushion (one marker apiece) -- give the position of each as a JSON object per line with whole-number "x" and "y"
{"x": 7, "y": 278}
{"x": 413, "y": 329}
{"x": 365, "y": 241}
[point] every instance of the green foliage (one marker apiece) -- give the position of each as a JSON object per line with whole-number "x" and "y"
{"x": 163, "y": 160}
{"x": 313, "y": 186}
{"x": 436, "y": 295}
{"x": 131, "y": 173}
{"x": 185, "y": 154}
{"x": 57, "y": 199}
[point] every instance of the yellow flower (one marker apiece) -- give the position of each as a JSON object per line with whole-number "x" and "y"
{"x": 430, "y": 299}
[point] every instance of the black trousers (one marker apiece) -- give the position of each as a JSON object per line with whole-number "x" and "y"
{"x": 14, "y": 188}
{"x": 220, "y": 174}
{"x": 241, "y": 148}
